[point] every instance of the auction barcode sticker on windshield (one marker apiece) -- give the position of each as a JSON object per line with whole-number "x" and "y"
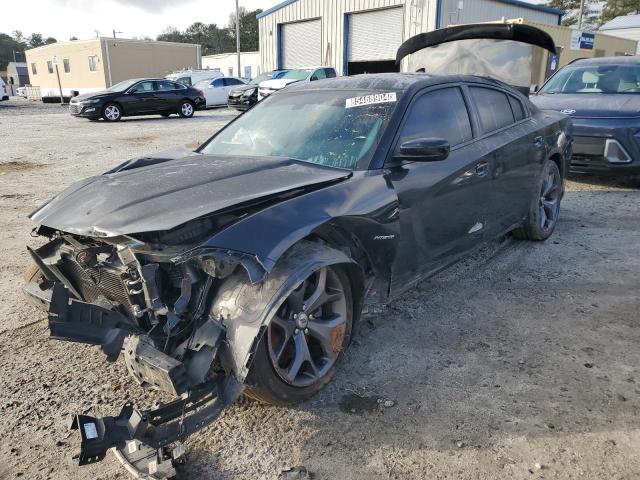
{"x": 371, "y": 99}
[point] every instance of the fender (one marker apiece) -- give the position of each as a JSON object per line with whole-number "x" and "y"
{"x": 367, "y": 203}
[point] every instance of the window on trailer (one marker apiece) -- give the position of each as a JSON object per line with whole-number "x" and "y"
{"x": 67, "y": 66}
{"x": 34, "y": 69}
{"x": 50, "y": 66}
{"x": 93, "y": 63}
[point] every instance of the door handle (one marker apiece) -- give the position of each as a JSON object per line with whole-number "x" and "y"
{"x": 482, "y": 169}
{"x": 538, "y": 141}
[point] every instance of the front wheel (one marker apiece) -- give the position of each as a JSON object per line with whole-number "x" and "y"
{"x": 186, "y": 109}
{"x": 305, "y": 339}
{"x": 545, "y": 206}
{"x": 111, "y": 112}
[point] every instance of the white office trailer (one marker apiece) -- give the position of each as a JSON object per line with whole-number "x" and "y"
{"x": 227, "y": 63}
{"x": 358, "y": 36}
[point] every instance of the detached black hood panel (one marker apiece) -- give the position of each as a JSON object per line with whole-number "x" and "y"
{"x": 148, "y": 195}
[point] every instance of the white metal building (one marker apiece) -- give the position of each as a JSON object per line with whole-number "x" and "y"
{"x": 625, "y": 26}
{"x": 357, "y": 36}
{"x": 227, "y": 63}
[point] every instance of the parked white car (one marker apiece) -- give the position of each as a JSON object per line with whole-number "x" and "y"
{"x": 4, "y": 90}
{"x": 307, "y": 74}
{"x": 21, "y": 92}
{"x": 216, "y": 91}
{"x": 191, "y": 77}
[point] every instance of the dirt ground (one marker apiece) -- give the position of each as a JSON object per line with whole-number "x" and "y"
{"x": 520, "y": 362}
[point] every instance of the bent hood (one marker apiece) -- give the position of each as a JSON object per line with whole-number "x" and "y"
{"x": 278, "y": 83}
{"x": 86, "y": 96}
{"x": 152, "y": 194}
{"x": 591, "y": 105}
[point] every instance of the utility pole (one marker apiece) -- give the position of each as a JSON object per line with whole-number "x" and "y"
{"x": 54, "y": 60}
{"x": 114, "y": 33}
{"x": 238, "y": 36}
{"x": 580, "y": 14}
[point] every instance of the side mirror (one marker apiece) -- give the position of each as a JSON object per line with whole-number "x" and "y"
{"x": 424, "y": 150}
{"x": 533, "y": 89}
{"x": 313, "y": 78}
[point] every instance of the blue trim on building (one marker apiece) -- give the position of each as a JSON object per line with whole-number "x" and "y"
{"x": 517, "y": 3}
{"x": 274, "y": 8}
{"x": 345, "y": 46}
{"x": 279, "y": 46}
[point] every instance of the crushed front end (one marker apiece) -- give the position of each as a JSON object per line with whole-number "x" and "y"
{"x": 150, "y": 302}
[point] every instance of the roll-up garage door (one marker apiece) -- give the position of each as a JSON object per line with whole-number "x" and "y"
{"x": 301, "y": 44}
{"x": 375, "y": 35}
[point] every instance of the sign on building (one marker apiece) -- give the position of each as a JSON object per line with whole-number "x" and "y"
{"x": 582, "y": 40}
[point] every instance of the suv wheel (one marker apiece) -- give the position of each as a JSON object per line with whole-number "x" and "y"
{"x": 186, "y": 109}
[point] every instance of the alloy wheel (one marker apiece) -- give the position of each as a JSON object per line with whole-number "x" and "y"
{"x": 306, "y": 335}
{"x": 549, "y": 204}
{"x": 187, "y": 109}
{"x": 112, "y": 112}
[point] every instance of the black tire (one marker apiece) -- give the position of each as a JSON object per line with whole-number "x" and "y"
{"x": 542, "y": 218}
{"x": 186, "y": 109}
{"x": 112, "y": 112}
{"x": 264, "y": 384}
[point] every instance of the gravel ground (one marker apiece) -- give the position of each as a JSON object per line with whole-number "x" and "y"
{"x": 519, "y": 362}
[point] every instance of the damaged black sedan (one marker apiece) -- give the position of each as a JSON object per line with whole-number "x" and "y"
{"x": 244, "y": 266}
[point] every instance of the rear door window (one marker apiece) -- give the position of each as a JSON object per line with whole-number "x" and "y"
{"x": 440, "y": 113}
{"x": 166, "y": 85}
{"x": 493, "y": 107}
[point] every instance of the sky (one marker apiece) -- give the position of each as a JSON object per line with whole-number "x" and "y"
{"x": 63, "y": 19}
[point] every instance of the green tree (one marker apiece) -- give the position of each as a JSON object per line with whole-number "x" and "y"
{"x": 216, "y": 39}
{"x": 49, "y": 40}
{"x": 249, "y": 37}
{"x": 615, "y": 8}
{"x": 590, "y": 16}
{"x": 8, "y": 45}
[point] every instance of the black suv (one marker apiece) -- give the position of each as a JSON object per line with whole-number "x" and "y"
{"x": 138, "y": 96}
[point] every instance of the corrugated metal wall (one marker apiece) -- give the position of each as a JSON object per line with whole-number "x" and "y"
{"x": 487, "y": 10}
{"x": 419, "y": 16}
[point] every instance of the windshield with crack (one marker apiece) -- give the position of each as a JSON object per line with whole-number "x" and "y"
{"x": 332, "y": 128}
{"x": 595, "y": 79}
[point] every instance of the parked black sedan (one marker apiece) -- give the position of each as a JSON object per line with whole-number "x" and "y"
{"x": 245, "y": 265}
{"x": 244, "y": 97}
{"x": 138, "y": 96}
{"x": 602, "y": 96}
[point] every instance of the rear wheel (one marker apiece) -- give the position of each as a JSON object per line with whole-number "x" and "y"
{"x": 186, "y": 109}
{"x": 111, "y": 112}
{"x": 545, "y": 207}
{"x": 304, "y": 340}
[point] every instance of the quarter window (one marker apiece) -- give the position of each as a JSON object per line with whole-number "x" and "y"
{"x": 66, "y": 65}
{"x": 34, "y": 69}
{"x": 50, "y": 66}
{"x": 517, "y": 108}
{"x": 93, "y": 63}
{"x": 439, "y": 114}
{"x": 493, "y": 108}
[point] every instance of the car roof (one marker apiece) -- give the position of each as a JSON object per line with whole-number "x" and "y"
{"x": 626, "y": 60}
{"x": 392, "y": 81}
